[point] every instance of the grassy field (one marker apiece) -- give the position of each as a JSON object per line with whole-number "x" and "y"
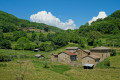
{"x": 56, "y": 71}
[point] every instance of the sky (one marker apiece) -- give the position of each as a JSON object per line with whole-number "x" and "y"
{"x": 65, "y": 14}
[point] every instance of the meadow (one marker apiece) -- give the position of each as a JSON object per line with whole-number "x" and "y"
{"x": 56, "y": 71}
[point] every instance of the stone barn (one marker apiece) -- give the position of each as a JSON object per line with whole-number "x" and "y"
{"x": 101, "y": 52}
{"x": 54, "y": 57}
{"x": 91, "y": 59}
{"x": 80, "y": 53}
{"x": 67, "y": 57}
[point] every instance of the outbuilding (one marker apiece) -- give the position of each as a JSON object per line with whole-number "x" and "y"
{"x": 67, "y": 57}
{"x": 101, "y": 52}
{"x": 90, "y": 59}
{"x": 39, "y": 56}
{"x": 80, "y": 52}
{"x": 54, "y": 57}
{"x": 36, "y": 50}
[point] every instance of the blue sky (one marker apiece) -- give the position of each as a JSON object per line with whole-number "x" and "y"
{"x": 80, "y": 11}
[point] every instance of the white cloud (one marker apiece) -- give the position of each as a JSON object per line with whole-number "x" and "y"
{"x": 49, "y": 19}
{"x": 101, "y": 15}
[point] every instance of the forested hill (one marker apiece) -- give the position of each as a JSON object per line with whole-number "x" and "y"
{"x": 109, "y": 25}
{"x": 9, "y": 23}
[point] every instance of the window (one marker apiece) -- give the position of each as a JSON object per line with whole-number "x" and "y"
{"x": 88, "y": 53}
{"x": 73, "y": 58}
{"x": 96, "y": 60}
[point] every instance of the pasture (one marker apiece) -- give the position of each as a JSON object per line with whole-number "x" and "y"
{"x": 56, "y": 71}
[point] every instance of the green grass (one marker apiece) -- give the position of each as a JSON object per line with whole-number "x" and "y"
{"x": 56, "y": 71}
{"x": 60, "y": 68}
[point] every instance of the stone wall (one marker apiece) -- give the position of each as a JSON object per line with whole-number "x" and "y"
{"x": 81, "y": 54}
{"x": 101, "y": 55}
{"x": 88, "y": 60}
{"x": 62, "y": 57}
{"x": 54, "y": 58}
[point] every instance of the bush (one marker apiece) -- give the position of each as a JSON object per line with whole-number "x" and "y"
{"x": 107, "y": 63}
{"x": 4, "y": 58}
{"x": 46, "y": 64}
{"x": 113, "y": 52}
{"x": 104, "y": 64}
{"x": 11, "y": 38}
{"x": 5, "y": 44}
{"x": 29, "y": 47}
{"x": 47, "y": 47}
{"x": 3, "y": 65}
{"x": 16, "y": 47}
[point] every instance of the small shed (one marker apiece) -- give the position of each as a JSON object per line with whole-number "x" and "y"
{"x": 36, "y": 50}
{"x": 54, "y": 57}
{"x": 39, "y": 56}
{"x": 90, "y": 59}
{"x": 67, "y": 57}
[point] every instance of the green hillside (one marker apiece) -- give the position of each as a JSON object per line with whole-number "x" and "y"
{"x": 17, "y": 46}
{"x": 9, "y": 22}
{"x": 109, "y": 25}
{"x": 109, "y": 28}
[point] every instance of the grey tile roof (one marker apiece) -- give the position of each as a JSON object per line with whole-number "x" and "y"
{"x": 72, "y": 48}
{"x": 100, "y": 48}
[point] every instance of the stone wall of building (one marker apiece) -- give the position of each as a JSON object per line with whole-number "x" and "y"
{"x": 101, "y": 55}
{"x": 64, "y": 58}
{"x": 54, "y": 58}
{"x": 81, "y": 54}
{"x": 89, "y": 60}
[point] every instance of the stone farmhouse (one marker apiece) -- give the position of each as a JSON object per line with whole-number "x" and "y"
{"x": 80, "y": 53}
{"x": 92, "y": 56}
{"x": 67, "y": 57}
{"x": 101, "y": 52}
{"x": 64, "y": 57}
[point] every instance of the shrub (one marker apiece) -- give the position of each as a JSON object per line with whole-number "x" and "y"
{"x": 47, "y": 47}
{"x": 3, "y": 65}
{"x": 46, "y": 63}
{"x": 107, "y": 63}
{"x": 4, "y": 58}
{"x": 113, "y": 52}
{"x": 5, "y": 44}
{"x": 104, "y": 64}
{"x": 29, "y": 47}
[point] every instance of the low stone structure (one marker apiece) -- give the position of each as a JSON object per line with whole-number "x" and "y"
{"x": 39, "y": 56}
{"x": 80, "y": 53}
{"x": 67, "y": 57}
{"x": 92, "y": 56}
{"x": 101, "y": 52}
{"x": 54, "y": 57}
{"x": 91, "y": 59}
